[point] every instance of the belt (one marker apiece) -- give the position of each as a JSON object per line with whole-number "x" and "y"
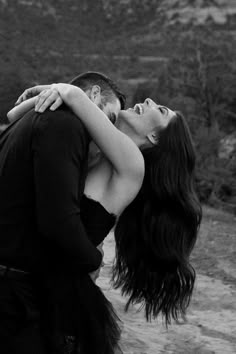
{"x": 13, "y": 273}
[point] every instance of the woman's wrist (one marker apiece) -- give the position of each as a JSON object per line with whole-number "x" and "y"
{"x": 69, "y": 93}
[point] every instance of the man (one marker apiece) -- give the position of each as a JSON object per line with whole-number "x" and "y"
{"x": 43, "y": 163}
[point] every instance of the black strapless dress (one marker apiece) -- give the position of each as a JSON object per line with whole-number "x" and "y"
{"x": 78, "y": 317}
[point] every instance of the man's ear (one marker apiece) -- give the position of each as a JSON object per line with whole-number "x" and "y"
{"x": 95, "y": 94}
{"x": 153, "y": 137}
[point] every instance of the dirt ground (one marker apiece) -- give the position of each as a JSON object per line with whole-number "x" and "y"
{"x": 211, "y": 319}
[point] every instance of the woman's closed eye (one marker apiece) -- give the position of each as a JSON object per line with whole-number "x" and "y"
{"x": 163, "y": 110}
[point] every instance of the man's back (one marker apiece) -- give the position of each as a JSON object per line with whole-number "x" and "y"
{"x": 18, "y": 237}
{"x": 43, "y": 164}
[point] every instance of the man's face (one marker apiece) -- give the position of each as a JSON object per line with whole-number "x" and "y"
{"x": 110, "y": 105}
{"x": 110, "y": 108}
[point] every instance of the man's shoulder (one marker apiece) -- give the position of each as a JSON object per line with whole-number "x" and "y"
{"x": 63, "y": 120}
{"x": 62, "y": 116}
{"x": 60, "y": 128}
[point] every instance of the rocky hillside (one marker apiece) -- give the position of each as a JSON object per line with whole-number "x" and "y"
{"x": 179, "y": 52}
{"x": 128, "y": 39}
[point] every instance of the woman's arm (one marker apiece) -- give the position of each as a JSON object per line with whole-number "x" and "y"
{"x": 122, "y": 152}
{"x": 25, "y": 102}
{"x": 21, "y": 109}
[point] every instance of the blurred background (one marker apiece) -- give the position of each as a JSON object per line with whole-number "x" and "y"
{"x": 180, "y": 53}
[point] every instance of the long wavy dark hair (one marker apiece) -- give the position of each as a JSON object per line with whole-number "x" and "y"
{"x": 157, "y": 232}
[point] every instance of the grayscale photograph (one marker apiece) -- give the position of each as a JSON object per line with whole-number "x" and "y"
{"x": 117, "y": 177}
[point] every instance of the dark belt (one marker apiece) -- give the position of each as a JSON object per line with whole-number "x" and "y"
{"x": 13, "y": 273}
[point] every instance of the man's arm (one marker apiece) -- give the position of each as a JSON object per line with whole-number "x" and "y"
{"x": 60, "y": 150}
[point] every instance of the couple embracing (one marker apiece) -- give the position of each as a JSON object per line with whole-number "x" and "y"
{"x": 73, "y": 165}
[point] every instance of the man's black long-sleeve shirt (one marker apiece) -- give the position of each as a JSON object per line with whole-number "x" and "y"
{"x": 43, "y": 163}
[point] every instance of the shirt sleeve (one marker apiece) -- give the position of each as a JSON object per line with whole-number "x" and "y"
{"x": 59, "y": 154}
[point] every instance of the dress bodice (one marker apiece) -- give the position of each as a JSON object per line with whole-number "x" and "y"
{"x": 96, "y": 219}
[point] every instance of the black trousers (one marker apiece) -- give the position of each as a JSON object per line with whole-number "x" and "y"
{"x": 19, "y": 318}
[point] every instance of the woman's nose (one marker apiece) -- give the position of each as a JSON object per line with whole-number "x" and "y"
{"x": 148, "y": 101}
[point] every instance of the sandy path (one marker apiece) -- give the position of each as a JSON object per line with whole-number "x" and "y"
{"x": 211, "y": 320}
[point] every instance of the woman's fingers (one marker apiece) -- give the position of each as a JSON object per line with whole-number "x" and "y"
{"x": 42, "y": 97}
{"x": 24, "y": 96}
{"x": 56, "y": 104}
{"x": 31, "y": 92}
{"x": 46, "y": 99}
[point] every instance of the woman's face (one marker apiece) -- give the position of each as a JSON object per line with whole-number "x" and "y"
{"x": 146, "y": 117}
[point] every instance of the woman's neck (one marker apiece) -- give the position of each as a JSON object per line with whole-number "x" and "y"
{"x": 124, "y": 128}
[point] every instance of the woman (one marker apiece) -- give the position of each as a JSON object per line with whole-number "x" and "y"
{"x": 159, "y": 213}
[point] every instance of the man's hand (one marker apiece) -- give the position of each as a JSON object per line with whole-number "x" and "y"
{"x": 94, "y": 275}
{"x": 100, "y": 248}
{"x": 31, "y": 92}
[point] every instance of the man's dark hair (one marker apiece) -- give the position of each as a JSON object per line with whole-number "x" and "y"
{"x": 108, "y": 88}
